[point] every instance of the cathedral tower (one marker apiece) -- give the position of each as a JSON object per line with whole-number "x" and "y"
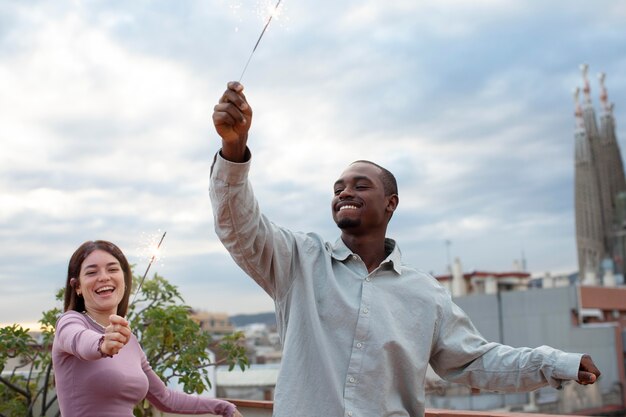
{"x": 599, "y": 179}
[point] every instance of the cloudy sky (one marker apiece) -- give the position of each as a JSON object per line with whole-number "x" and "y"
{"x": 106, "y": 132}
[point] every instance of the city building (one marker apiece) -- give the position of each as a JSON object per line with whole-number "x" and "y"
{"x": 460, "y": 283}
{"x": 571, "y": 318}
{"x": 213, "y": 323}
{"x": 600, "y": 189}
{"x": 255, "y": 383}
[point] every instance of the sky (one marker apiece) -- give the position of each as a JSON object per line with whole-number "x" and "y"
{"x": 106, "y": 130}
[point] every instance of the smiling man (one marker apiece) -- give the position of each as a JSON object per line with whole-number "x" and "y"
{"x": 358, "y": 326}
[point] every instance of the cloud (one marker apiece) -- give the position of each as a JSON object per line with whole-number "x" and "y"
{"x": 105, "y": 112}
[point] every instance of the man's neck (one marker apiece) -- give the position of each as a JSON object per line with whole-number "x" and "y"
{"x": 370, "y": 248}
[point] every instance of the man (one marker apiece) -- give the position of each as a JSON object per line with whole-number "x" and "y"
{"x": 358, "y": 326}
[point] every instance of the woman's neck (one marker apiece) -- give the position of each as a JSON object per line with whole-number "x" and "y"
{"x": 101, "y": 318}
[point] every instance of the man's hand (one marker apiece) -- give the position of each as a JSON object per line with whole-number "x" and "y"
{"x": 588, "y": 373}
{"x": 116, "y": 335}
{"x": 232, "y": 118}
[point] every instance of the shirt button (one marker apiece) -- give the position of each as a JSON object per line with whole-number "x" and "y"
{"x": 366, "y": 310}
{"x": 349, "y": 413}
{"x": 356, "y": 258}
{"x": 368, "y": 279}
{"x": 359, "y": 345}
{"x": 352, "y": 379}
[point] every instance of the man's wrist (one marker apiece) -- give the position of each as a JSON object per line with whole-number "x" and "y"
{"x": 237, "y": 153}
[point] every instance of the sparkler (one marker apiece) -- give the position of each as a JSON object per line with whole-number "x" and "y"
{"x": 274, "y": 12}
{"x": 155, "y": 253}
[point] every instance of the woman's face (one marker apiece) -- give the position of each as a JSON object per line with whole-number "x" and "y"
{"x": 101, "y": 282}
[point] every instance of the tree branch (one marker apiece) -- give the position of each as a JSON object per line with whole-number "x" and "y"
{"x": 44, "y": 398}
{"x": 52, "y": 401}
{"x": 15, "y": 388}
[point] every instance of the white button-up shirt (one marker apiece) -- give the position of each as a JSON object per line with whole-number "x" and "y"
{"x": 356, "y": 343}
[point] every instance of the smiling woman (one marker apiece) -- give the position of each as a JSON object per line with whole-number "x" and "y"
{"x": 99, "y": 366}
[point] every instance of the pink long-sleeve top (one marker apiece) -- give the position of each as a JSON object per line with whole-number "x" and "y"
{"x": 88, "y": 384}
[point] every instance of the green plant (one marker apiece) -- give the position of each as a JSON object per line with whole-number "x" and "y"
{"x": 26, "y": 390}
{"x": 175, "y": 345}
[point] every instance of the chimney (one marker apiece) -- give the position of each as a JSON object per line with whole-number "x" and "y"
{"x": 458, "y": 281}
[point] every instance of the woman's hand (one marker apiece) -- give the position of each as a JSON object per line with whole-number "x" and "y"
{"x": 116, "y": 335}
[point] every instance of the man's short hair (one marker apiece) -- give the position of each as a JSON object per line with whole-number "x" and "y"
{"x": 390, "y": 186}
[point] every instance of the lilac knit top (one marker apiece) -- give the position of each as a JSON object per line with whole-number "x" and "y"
{"x": 89, "y": 385}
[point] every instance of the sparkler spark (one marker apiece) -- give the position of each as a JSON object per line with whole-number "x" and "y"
{"x": 273, "y": 12}
{"x": 154, "y": 250}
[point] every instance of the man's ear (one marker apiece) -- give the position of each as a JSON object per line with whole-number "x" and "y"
{"x": 392, "y": 203}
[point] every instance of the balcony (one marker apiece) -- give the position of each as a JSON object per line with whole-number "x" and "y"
{"x": 264, "y": 409}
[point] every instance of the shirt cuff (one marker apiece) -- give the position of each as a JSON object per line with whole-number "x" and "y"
{"x": 231, "y": 172}
{"x": 567, "y": 366}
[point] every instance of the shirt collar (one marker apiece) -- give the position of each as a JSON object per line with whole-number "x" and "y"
{"x": 341, "y": 252}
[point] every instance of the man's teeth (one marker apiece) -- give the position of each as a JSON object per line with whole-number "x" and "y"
{"x": 347, "y": 207}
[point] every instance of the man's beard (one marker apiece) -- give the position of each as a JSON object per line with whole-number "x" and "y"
{"x": 348, "y": 223}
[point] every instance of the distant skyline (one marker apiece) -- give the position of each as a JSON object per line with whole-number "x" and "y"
{"x": 106, "y": 131}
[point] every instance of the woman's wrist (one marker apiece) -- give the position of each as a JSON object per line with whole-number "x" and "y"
{"x": 100, "y": 342}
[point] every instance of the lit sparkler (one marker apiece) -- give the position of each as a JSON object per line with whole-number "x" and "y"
{"x": 154, "y": 250}
{"x": 273, "y": 12}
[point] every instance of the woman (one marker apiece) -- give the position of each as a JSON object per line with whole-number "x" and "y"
{"x": 99, "y": 367}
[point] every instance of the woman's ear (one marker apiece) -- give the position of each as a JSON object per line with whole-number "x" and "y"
{"x": 74, "y": 283}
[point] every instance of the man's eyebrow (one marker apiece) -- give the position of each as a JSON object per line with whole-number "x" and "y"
{"x": 341, "y": 181}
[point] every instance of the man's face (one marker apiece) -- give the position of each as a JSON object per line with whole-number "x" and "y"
{"x": 359, "y": 203}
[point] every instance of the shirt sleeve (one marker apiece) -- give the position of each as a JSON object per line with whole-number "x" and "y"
{"x": 74, "y": 337}
{"x": 171, "y": 401}
{"x": 460, "y": 354}
{"x": 262, "y": 249}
